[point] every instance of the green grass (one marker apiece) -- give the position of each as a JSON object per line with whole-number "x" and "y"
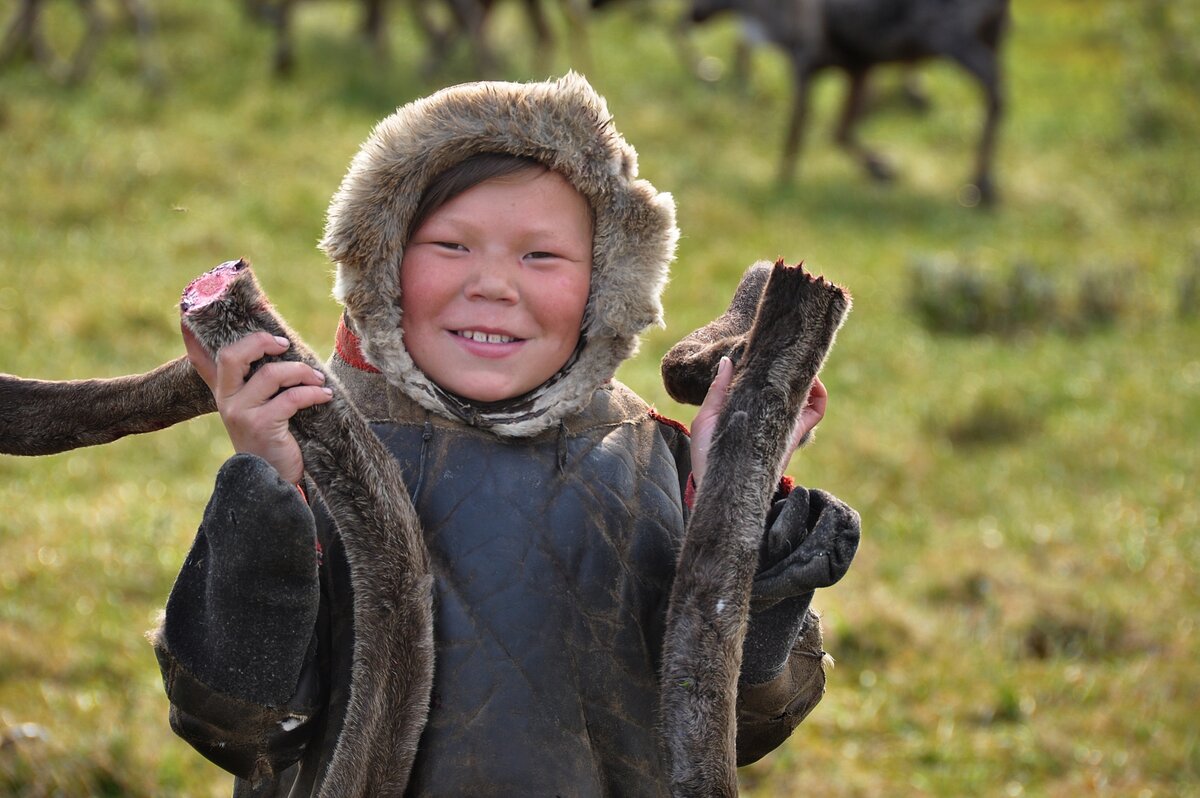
{"x": 1021, "y": 617}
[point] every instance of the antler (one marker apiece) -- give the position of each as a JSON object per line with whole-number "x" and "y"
{"x": 782, "y": 345}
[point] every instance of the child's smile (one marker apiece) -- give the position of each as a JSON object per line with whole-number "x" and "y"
{"x": 494, "y": 283}
{"x": 485, "y": 338}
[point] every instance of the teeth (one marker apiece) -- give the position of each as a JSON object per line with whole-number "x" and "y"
{"x": 486, "y": 338}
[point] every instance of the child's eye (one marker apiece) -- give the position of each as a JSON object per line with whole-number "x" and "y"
{"x": 541, "y": 255}
{"x": 450, "y": 245}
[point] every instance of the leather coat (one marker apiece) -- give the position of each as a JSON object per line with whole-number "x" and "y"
{"x": 553, "y": 559}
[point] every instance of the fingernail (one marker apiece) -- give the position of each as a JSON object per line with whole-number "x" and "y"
{"x": 279, "y": 339}
{"x": 319, "y": 375}
{"x": 328, "y": 391}
{"x": 723, "y": 365}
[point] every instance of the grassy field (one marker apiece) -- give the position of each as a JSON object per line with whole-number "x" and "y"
{"x": 1015, "y": 399}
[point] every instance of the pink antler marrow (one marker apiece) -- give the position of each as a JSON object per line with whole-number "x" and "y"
{"x": 210, "y": 286}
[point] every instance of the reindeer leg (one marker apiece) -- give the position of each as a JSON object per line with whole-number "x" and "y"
{"x": 845, "y": 137}
{"x": 982, "y": 62}
{"x": 576, "y": 14}
{"x": 142, "y": 21}
{"x": 374, "y": 27}
{"x": 21, "y": 40}
{"x": 542, "y": 34}
{"x": 285, "y": 60}
{"x": 795, "y": 132}
{"x": 691, "y": 365}
{"x": 92, "y": 37}
{"x": 472, "y": 18}
{"x": 793, "y": 329}
{"x": 436, "y": 36}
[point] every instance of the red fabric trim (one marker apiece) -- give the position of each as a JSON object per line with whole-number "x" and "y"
{"x": 348, "y": 349}
{"x": 689, "y": 493}
{"x": 303, "y": 495}
{"x": 786, "y": 484}
{"x": 670, "y": 422}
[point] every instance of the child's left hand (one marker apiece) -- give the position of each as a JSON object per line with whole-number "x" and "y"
{"x": 705, "y": 423}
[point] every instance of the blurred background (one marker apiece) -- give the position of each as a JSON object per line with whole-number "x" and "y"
{"x": 1015, "y": 398}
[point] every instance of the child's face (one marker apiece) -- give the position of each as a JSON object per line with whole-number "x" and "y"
{"x": 494, "y": 283}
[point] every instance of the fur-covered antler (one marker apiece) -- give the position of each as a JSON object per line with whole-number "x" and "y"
{"x": 782, "y": 344}
{"x": 358, "y": 479}
{"x": 39, "y": 417}
{"x": 364, "y": 490}
{"x": 689, "y": 368}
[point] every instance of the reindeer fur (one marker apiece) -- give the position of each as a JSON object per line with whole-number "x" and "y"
{"x": 364, "y": 490}
{"x": 855, "y": 36}
{"x": 791, "y": 333}
{"x": 40, "y": 417}
{"x": 691, "y": 365}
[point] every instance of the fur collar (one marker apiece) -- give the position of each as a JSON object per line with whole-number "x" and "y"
{"x": 566, "y": 125}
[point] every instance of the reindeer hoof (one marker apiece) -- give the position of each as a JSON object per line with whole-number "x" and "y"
{"x": 980, "y": 194}
{"x": 879, "y": 170}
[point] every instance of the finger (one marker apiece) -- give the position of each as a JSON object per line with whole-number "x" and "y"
{"x": 818, "y": 398}
{"x": 301, "y": 397}
{"x": 199, "y": 357}
{"x": 718, "y": 390}
{"x": 234, "y": 360}
{"x": 799, "y": 438}
{"x": 810, "y": 416}
{"x": 706, "y": 418}
{"x": 273, "y": 378}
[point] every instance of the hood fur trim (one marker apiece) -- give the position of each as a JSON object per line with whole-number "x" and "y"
{"x": 565, "y": 125}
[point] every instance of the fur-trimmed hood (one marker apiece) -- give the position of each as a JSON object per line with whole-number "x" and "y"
{"x": 565, "y": 125}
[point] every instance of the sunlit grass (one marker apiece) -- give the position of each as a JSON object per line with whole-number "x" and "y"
{"x": 1019, "y": 620}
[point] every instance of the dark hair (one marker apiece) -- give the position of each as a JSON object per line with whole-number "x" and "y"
{"x": 466, "y": 174}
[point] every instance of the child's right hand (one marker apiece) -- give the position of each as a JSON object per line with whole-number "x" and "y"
{"x": 256, "y": 411}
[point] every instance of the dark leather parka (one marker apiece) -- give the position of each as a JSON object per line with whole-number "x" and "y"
{"x": 553, "y": 559}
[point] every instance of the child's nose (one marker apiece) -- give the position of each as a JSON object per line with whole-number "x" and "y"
{"x": 493, "y": 281}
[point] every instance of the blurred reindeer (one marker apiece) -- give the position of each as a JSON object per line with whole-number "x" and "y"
{"x": 857, "y": 35}
{"x": 278, "y": 14}
{"x": 443, "y": 23}
{"x": 469, "y": 20}
{"x": 751, "y": 36}
{"x": 24, "y": 40}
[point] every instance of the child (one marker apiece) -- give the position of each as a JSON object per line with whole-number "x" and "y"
{"x": 497, "y": 259}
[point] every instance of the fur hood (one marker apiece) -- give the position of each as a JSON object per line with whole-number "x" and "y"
{"x": 564, "y": 124}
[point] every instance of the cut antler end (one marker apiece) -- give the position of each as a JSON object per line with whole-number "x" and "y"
{"x": 210, "y": 286}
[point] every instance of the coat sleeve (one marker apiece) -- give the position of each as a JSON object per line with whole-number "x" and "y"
{"x": 238, "y": 641}
{"x": 767, "y": 713}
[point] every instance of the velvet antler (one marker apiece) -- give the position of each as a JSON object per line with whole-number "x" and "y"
{"x": 363, "y": 488}
{"x": 782, "y": 346}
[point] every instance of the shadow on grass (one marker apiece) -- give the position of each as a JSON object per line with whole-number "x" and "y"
{"x": 845, "y": 204}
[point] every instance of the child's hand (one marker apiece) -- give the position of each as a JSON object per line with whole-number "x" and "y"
{"x": 704, "y": 425}
{"x": 256, "y": 411}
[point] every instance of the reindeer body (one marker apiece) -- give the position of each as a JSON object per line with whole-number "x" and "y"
{"x": 443, "y": 23}
{"x": 23, "y": 38}
{"x": 855, "y": 36}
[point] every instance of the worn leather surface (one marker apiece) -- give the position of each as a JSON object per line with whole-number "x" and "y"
{"x": 553, "y": 560}
{"x": 229, "y": 620}
{"x": 549, "y": 608}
